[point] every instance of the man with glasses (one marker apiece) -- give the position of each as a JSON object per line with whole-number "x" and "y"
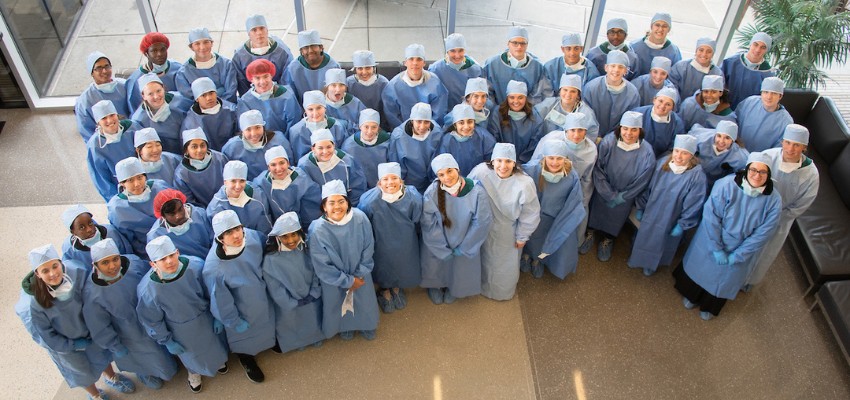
{"x": 103, "y": 87}
{"x": 617, "y": 32}
{"x": 517, "y": 64}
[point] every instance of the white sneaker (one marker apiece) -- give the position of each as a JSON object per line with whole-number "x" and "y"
{"x": 195, "y": 382}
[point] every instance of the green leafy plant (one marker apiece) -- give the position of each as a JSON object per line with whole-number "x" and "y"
{"x": 807, "y": 35}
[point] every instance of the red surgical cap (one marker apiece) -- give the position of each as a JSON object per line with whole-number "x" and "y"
{"x": 259, "y": 66}
{"x": 164, "y": 197}
{"x": 150, "y": 39}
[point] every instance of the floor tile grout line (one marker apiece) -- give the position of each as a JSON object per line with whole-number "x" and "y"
{"x": 342, "y": 26}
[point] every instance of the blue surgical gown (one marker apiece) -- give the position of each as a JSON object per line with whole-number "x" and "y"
{"x": 196, "y": 241}
{"x": 302, "y": 195}
{"x": 646, "y": 91}
{"x": 134, "y": 219}
{"x": 561, "y": 214}
{"x": 687, "y": 79}
{"x": 218, "y": 127}
{"x": 735, "y": 223}
{"x": 200, "y": 186}
{"x": 339, "y": 254}
{"x": 278, "y": 53}
{"x": 223, "y": 74}
{"x": 170, "y": 161}
{"x": 370, "y": 95}
{"x": 716, "y": 166}
{"x": 179, "y": 310}
{"x": 169, "y": 131}
{"x": 556, "y": 67}
{"x": 110, "y": 314}
{"x": 235, "y": 149}
{"x": 455, "y": 80}
{"x": 759, "y": 129}
{"x": 82, "y": 108}
{"x": 368, "y": 156}
{"x": 693, "y": 113}
{"x": 57, "y": 327}
{"x": 299, "y": 136}
{"x": 301, "y": 78}
{"x": 471, "y": 219}
{"x": 609, "y": 107}
{"x": 296, "y": 296}
{"x": 348, "y": 171}
{"x": 396, "y": 229}
{"x": 252, "y": 215}
{"x": 499, "y": 72}
{"x": 134, "y": 95}
{"x": 414, "y": 155}
{"x": 741, "y": 80}
{"x": 618, "y": 172}
{"x": 399, "y": 97}
{"x": 477, "y": 149}
{"x": 554, "y": 116}
{"x": 74, "y": 249}
{"x": 599, "y": 56}
{"x": 102, "y": 157}
{"x": 645, "y": 54}
{"x": 660, "y": 135}
{"x": 669, "y": 200}
{"x": 238, "y": 292}
{"x": 280, "y": 112}
{"x": 523, "y": 134}
{"x": 349, "y": 112}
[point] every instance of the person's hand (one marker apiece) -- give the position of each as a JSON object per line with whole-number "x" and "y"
{"x": 731, "y": 258}
{"x": 358, "y": 282}
{"x": 174, "y": 347}
{"x": 241, "y": 326}
{"x": 456, "y": 252}
{"x": 218, "y": 327}
{"x": 639, "y": 215}
{"x": 677, "y": 231}
{"x": 81, "y": 344}
{"x": 121, "y": 351}
{"x": 720, "y": 257}
{"x": 519, "y": 244}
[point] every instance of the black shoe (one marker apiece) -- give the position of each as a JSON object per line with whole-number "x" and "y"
{"x": 224, "y": 369}
{"x": 253, "y": 371}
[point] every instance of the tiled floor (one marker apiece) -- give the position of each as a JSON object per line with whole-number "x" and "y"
{"x": 605, "y": 333}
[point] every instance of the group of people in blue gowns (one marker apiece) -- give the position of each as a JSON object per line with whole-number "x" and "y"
{"x": 270, "y": 201}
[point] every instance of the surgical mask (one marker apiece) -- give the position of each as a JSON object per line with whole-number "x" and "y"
{"x": 160, "y": 115}
{"x": 368, "y": 82}
{"x": 717, "y": 152}
{"x": 699, "y": 67}
{"x": 110, "y": 137}
{"x": 628, "y": 147}
{"x": 281, "y": 247}
{"x": 369, "y": 142}
{"x": 336, "y": 104}
{"x": 570, "y": 68}
{"x": 788, "y": 168}
{"x": 516, "y": 63}
{"x": 556, "y": 117}
{"x": 676, "y": 168}
{"x": 345, "y": 219}
{"x": 314, "y": 126}
{"x": 252, "y": 146}
{"x": 206, "y": 64}
{"x": 201, "y": 164}
{"x": 421, "y": 137}
{"x": 239, "y": 201}
{"x": 710, "y": 107}
{"x": 212, "y": 110}
{"x": 233, "y": 250}
{"x": 65, "y": 289}
{"x": 660, "y": 119}
{"x": 260, "y": 50}
{"x": 453, "y": 189}
{"x": 616, "y": 89}
{"x": 454, "y": 66}
{"x": 158, "y": 69}
{"x": 140, "y": 198}
{"x": 167, "y": 276}
{"x": 182, "y": 228}
{"x": 617, "y": 47}
{"x": 105, "y": 278}
{"x": 459, "y": 137}
{"x": 575, "y": 146}
{"x": 262, "y": 96}
{"x": 281, "y": 184}
{"x": 749, "y": 190}
{"x": 392, "y": 198}
{"x": 326, "y": 166}
{"x": 92, "y": 240}
{"x": 653, "y": 46}
{"x": 152, "y": 166}
{"x": 751, "y": 65}
{"x": 108, "y": 87}
{"x": 516, "y": 115}
{"x": 552, "y": 177}
{"x": 411, "y": 82}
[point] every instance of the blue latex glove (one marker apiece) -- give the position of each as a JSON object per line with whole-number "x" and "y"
{"x": 456, "y": 252}
{"x": 218, "y": 327}
{"x": 639, "y": 215}
{"x": 81, "y": 344}
{"x": 121, "y": 351}
{"x": 242, "y": 326}
{"x": 616, "y": 201}
{"x": 677, "y": 231}
{"x": 731, "y": 258}
{"x": 174, "y": 347}
{"x": 720, "y": 257}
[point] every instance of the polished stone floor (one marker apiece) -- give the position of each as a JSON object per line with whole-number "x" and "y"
{"x": 606, "y": 333}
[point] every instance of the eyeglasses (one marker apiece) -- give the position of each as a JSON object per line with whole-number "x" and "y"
{"x": 757, "y": 172}
{"x": 515, "y": 43}
{"x": 103, "y": 68}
